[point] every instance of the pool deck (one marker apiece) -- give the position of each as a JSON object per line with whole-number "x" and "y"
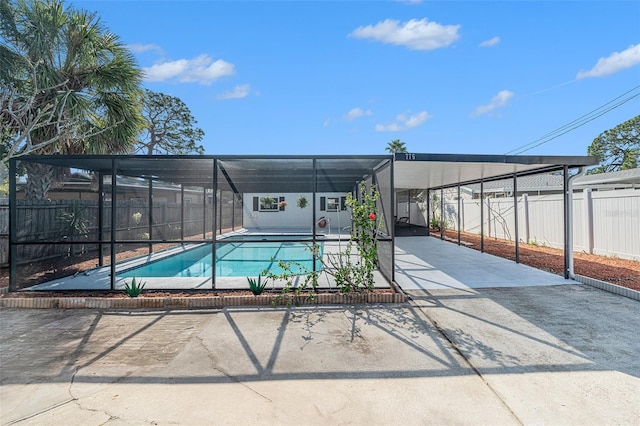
{"x": 99, "y": 278}
{"x": 422, "y": 263}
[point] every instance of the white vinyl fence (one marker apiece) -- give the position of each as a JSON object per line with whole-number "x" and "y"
{"x": 604, "y": 222}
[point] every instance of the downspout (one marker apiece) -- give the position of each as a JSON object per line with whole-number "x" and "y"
{"x": 581, "y": 171}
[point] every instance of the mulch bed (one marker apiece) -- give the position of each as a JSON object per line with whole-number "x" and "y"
{"x": 622, "y": 272}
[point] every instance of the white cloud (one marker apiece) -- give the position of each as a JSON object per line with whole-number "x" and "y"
{"x": 202, "y": 70}
{"x": 498, "y": 101}
{"x": 141, "y": 48}
{"x": 491, "y": 42}
{"x": 404, "y": 123}
{"x": 615, "y": 62}
{"x": 414, "y": 34}
{"x": 238, "y": 92}
{"x": 355, "y": 113}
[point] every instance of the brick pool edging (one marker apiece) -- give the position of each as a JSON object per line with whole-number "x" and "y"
{"x": 191, "y": 302}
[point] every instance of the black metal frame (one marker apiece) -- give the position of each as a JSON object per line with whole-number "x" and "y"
{"x": 116, "y": 165}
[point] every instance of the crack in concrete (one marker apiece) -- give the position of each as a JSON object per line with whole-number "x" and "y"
{"x": 227, "y": 375}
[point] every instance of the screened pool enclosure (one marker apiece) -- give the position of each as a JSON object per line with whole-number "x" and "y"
{"x": 184, "y": 222}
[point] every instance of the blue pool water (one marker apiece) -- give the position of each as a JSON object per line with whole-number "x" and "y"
{"x": 233, "y": 259}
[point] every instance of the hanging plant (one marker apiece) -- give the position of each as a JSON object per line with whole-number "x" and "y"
{"x": 302, "y": 202}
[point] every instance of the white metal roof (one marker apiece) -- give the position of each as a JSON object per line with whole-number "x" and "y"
{"x": 424, "y": 171}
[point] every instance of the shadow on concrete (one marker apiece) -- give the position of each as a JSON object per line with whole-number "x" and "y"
{"x": 501, "y": 331}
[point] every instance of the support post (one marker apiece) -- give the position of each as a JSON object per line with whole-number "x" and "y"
{"x": 100, "y": 218}
{"x": 515, "y": 216}
{"x": 204, "y": 213}
{"x": 459, "y": 211}
{"x": 114, "y": 166}
{"x": 314, "y": 189}
{"x": 392, "y": 226}
{"x": 527, "y": 231}
{"x": 441, "y": 214}
{"x": 13, "y": 218}
{"x": 481, "y": 216}
{"x": 428, "y": 212}
{"x": 567, "y": 218}
{"x": 182, "y": 213}
{"x": 150, "y": 227}
{"x": 214, "y": 199}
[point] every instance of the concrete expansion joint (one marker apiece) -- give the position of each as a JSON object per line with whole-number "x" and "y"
{"x": 465, "y": 358}
{"x": 31, "y": 416}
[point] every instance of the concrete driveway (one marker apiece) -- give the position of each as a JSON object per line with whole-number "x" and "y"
{"x": 531, "y": 355}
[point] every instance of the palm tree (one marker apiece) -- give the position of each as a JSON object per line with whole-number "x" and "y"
{"x": 396, "y": 146}
{"x": 83, "y": 75}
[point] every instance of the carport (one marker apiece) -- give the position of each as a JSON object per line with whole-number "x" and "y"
{"x": 439, "y": 172}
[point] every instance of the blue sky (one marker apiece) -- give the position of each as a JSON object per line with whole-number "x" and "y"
{"x": 337, "y": 77}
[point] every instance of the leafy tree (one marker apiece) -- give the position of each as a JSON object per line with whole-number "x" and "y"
{"x": 68, "y": 86}
{"x": 396, "y": 146}
{"x": 169, "y": 126}
{"x": 618, "y": 148}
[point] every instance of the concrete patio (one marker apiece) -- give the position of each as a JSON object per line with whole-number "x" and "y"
{"x": 427, "y": 263}
{"x": 526, "y": 355}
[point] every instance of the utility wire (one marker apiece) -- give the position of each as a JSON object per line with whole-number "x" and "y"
{"x": 578, "y": 122}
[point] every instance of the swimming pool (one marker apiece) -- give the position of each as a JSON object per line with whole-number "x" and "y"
{"x": 233, "y": 259}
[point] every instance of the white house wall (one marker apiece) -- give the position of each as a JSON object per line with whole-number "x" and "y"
{"x": 294, "y": 217}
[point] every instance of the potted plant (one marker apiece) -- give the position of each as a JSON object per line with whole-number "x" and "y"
{"x": 302, "y": 202}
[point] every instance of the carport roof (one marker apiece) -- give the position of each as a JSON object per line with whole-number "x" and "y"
{"x": 424, "y": 171}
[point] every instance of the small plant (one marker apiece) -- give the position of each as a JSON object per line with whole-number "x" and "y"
{"x": 136, "y": 217}
{"x": 134, "y": 290}
{"x": 256, "y": 286}
{"x": 302, "y": 202}
{"x": 435, "y": 223}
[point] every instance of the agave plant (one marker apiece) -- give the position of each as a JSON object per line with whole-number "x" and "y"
{"x": 135, "y": 289}
{"x": 256, "y": 286}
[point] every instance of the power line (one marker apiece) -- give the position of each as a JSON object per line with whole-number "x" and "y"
{"x": 578, "y": 122}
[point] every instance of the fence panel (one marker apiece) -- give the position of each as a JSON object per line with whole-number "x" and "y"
{"x": 46, "y": 221}
{"x": 604, "y": 222}
{"x": 616, "y": 223}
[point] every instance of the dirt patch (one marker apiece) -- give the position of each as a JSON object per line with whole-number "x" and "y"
{"x": 617, "y": 271}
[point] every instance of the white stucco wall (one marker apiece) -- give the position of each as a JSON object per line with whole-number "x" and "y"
{"x": 293, "y": 217}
